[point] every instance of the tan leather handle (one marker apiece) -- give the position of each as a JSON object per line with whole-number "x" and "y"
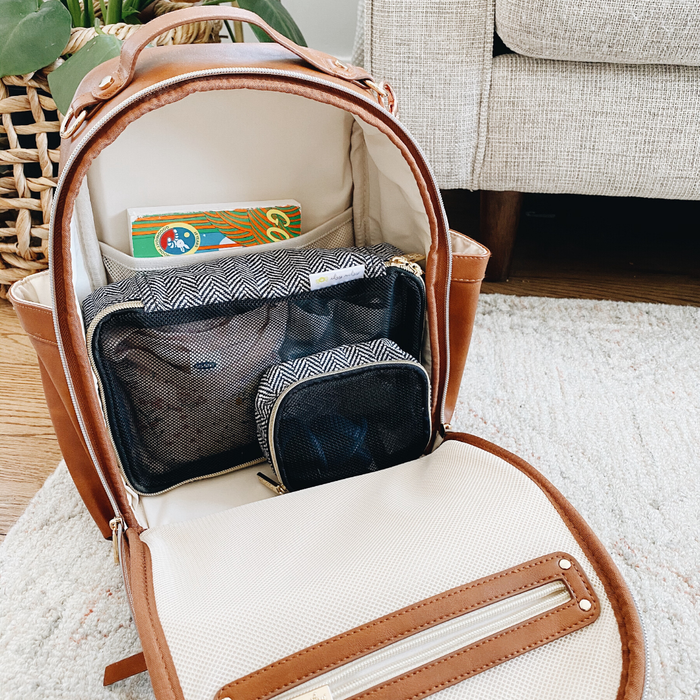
{"x": 145, "y": 35}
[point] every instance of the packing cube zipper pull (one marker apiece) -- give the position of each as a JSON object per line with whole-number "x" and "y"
{"x": 408, "y": 262}
{"x": 277, "y": 489}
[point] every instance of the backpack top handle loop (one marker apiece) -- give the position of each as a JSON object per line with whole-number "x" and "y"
{"x": 113, "y": 84}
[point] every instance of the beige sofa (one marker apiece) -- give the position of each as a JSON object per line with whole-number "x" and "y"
{"x": 600, "y": 97}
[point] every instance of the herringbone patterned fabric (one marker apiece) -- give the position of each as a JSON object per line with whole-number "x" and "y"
{"x": 269, "y": 275}
{"x": 280, "y": 377}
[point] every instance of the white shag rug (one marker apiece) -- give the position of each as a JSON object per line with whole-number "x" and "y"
{"x": 602, "y": 397}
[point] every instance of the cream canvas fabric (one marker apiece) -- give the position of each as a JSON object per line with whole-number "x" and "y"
{"x": 240, "y": 589}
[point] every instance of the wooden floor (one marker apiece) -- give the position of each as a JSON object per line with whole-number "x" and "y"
{"x": 623, "y": 249}
{"x": 578, "y": 247}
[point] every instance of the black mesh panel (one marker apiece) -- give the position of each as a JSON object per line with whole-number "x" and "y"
{"x": 179, "y": 386}
{"x": 351, "y": 423}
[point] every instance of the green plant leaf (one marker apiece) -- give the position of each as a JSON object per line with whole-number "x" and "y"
{"x": 65, "y": 79}
{"x": 88, "y": 14}
{"x": 131, "y": 9}
{"x": 32, "y": 34}
{"x": 277, "y": 16}
{"x": 76, "y": 12}
{"x": 114, "y": 12}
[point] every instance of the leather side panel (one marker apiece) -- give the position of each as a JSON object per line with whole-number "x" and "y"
{"x": 469, "y": 260}
{"x": 37, "y": 322}
{"x": 629, "y": 624}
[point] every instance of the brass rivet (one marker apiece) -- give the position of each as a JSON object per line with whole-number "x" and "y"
{"x": 564, "y": 564}
{"x": 585, "y": 604}
{"x": 106, "y": 81}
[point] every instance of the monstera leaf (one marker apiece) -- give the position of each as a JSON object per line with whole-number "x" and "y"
{"x": 65, "y": 79}
{"x": 32, "y": 34}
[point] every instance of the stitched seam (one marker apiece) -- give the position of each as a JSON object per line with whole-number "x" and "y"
{"x": 42, "y": 340}
{"x": 475, "y": 671}
{"x": 460, "y": 279}
{"x": 394, "y": 616}
{"x": 35, "y": 307}
{"x": 580, "y": 540}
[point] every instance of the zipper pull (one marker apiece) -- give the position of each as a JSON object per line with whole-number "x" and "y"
{"x": 115, "y": 525}
{"x": 271, "y": 484}
{"x": 408, "y": 262}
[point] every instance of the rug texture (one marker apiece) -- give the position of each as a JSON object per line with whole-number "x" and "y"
{"x": 602, "y": 397}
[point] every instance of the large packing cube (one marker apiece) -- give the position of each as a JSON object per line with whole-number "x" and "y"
{"x": 382, "y": 556}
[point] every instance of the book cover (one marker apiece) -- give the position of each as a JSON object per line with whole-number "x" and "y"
{"x": 191, "y": 229}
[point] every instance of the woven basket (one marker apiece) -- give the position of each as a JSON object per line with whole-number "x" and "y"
{"x": 29, "y": 148}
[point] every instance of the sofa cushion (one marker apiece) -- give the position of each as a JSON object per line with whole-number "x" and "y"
{"x": 616, "y": 31}
{"x": 592, "y": 128}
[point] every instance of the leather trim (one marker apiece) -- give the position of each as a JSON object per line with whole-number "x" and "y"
{"x": 156, "y": 65}
{"x": 166, "y": 685}
{"x": 629, "y": 624}
{"x": 314, "y": 661}
{"x": 68, "y": 318}
{"x": 136, "y": 42}
{"x": 467, "y": 273}
{"x": 126, "y": 668}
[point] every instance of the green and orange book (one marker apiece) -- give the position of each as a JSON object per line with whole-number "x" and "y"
{"x": 200, "y": 228}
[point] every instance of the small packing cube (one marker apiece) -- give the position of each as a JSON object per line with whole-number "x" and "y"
{"x": 458, "y": 572}
{"x": 343, "y": 412}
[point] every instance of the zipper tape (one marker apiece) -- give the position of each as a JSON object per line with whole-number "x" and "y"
{"x": 522, "y": 609}
{"x": 432, "y": 645}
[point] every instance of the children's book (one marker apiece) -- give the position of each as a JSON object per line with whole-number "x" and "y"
{"x": 199, "y": 228}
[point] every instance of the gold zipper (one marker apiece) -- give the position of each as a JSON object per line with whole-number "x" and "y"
{"x": 89, "y": 335}
{"x": 277, "y": 489}
{"x": 408, "y": 262}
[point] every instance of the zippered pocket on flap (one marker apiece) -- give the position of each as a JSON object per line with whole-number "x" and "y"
{"x": 436, "y": 642}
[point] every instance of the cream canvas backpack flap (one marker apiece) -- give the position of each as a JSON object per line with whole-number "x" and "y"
{"x": 462, "y": 573}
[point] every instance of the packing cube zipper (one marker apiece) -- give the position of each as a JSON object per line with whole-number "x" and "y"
{"x": 178, "y": 353}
